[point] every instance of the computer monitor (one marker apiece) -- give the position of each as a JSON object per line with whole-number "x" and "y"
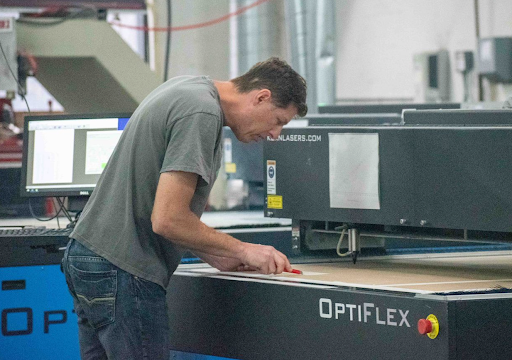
{"x": 64, "y": 155}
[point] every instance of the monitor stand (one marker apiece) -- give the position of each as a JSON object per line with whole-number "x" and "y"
{"x": 77, "y": 203}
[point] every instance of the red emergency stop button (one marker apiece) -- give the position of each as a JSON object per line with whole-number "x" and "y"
{"x": 424, "y": 326}
{"x": 429, "y": 326}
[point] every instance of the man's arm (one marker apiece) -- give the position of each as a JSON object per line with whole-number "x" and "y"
{"x": 173, "y": 219}
{"x": 224, "y": 263}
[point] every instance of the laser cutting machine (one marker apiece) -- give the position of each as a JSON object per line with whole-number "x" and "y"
{"x": 372, "y": 193}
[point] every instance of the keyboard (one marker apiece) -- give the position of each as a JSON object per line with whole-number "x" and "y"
{"x": 34, "y": 237}
{"x": 40, "y": 231}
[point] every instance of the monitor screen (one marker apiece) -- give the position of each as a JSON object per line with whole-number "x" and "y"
{"x": 64, "y": 155}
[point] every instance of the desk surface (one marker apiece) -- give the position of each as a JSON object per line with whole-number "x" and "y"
{"x": 52, "y": 224}
{"x": 216, "y": 219}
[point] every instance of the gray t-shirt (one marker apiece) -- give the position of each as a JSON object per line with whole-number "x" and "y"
{"x": 177, "y": 127}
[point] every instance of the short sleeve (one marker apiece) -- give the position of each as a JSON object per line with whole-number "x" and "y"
{"x": 191, "y": 145}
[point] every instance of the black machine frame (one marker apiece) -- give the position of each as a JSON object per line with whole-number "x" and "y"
{"x": 383, "y": 108}
{"x": 431, "y": 176}
{"x": 258, "y": 320}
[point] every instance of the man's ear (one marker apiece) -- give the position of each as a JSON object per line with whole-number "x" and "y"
{"x": 262, "y": 96}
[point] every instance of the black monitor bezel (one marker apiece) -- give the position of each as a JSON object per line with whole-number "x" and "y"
{"x": 24, "y": 162}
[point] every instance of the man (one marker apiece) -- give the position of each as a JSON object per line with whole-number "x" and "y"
{"x": 147, "y": 205}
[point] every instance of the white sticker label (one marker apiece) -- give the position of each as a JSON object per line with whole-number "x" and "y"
{"x": 354, "y": 171}
{"x": 271, "y": 177}
{"x": 228, "y": 151}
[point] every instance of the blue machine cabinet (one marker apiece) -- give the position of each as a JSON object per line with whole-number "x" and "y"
{"x": 37, "y": 318}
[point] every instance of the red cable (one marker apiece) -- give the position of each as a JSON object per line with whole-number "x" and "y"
{"x": 194, "y": 26}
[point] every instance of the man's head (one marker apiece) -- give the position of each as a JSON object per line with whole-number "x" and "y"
{"x": 270, "y": 94}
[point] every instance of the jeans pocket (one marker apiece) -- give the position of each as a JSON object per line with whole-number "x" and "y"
{"x": 96, "y": 293}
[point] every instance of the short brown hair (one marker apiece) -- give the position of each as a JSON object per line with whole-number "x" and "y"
{"x": 285, "y": 84}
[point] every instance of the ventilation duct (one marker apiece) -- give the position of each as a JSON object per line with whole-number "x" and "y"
{"x": 255, "y": 35}
{"x": 311, "y": 28}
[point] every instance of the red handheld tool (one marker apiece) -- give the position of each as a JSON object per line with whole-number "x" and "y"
{"x": 295, "y": 271}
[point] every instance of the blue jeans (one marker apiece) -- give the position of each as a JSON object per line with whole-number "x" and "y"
{"x": 120, "y": 316}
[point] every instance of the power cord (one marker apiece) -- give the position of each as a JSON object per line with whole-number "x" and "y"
{"x": 344, "y": 229}
{"x": 42, "y": 219}
{"x": 21, "y": 91}
{"x": 64, "y": 209}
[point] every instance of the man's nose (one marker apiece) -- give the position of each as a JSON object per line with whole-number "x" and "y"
{"x": 274, "y": 133}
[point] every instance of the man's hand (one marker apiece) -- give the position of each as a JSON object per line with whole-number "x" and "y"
{"x": 230, "y": 264}
{"x": 264, "y": 259}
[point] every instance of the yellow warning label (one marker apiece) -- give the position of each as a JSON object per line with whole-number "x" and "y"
{"x": 230, "y": 168}
{"x": 274, "y": 201}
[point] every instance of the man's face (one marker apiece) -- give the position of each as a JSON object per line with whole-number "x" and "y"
{"x": 263, "y": 119}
